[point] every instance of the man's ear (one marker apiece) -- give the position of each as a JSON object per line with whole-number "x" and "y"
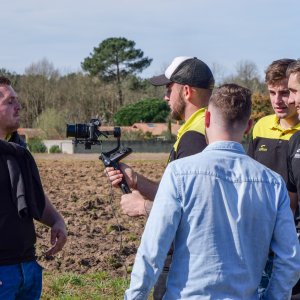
{"x": 250, "y": 124}
{"x": 187, "y": 92}
{"x": 207, "y": 118}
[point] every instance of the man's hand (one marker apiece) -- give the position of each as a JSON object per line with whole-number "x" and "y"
{"x": 133, "y": 204}
{"x": 58, "y": 237}
{"x": 116, "y": 176}
{"x": 53, "y": 219}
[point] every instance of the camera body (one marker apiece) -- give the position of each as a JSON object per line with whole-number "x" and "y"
{"x": 84, "y": 131}
{"x": 88, "y": 134}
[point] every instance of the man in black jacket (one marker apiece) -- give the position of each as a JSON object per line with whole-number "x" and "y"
{"x": 21, "y": 199}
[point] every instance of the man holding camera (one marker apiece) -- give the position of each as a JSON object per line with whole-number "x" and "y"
{"x": 22, "y": 199}
{"x": 189, "y": 83}
{"x": 223, "y": 210}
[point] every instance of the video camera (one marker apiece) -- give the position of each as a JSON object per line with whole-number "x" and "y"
{"x": 89, "y": 134}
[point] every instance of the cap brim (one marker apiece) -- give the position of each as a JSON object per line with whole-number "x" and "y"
{"x": 159, "y": 80}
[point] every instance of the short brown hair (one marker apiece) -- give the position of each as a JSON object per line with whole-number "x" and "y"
{"x": 277, "y": 70}
{"x": 233, "y": 102}
{"x": 294, "y": 68}
{"x": 4, "y": 80}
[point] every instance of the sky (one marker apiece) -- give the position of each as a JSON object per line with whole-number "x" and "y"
{"x": 215, "y": 31}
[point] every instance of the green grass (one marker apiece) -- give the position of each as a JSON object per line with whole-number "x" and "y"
{"x": 111, "y": 260}
{"x": 84, "y": 287}
{"x": 110, "y": 228}
{"x": 132, "y": 237}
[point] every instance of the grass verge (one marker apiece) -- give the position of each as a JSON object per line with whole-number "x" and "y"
{"x": 71, "y": 286}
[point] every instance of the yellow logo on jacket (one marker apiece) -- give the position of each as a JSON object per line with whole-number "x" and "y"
{"x": 262, "y": 148}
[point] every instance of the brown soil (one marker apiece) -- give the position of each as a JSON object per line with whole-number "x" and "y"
{"x": 80, "y": 191}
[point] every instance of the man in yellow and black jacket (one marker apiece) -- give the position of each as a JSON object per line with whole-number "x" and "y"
{"x": 271, "y": 134}
{"x": 269, "y": 144}
{"x": 190, "y": 137}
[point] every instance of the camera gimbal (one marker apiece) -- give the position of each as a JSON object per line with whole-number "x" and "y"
{"x": 88, "y": 134}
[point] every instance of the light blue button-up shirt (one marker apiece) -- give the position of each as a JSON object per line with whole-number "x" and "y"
{"x": 223, "y": 210}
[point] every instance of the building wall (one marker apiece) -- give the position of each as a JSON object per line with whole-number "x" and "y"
{"x": 137, "y": 146}
{"x": 65, "y": 146}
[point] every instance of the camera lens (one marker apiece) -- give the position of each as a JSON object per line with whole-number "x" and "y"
{"x": 82, "y": 131}
{"x": 78, "y": 131}
{"x": 70, "y": 130}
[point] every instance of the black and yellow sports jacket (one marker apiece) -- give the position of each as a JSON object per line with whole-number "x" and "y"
{"x": 190, "y": 140}
{"x": 190, "y": 137}
{"x": 269, "y": 144}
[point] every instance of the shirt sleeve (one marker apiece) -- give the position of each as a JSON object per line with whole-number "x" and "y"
{"x": 192, "y": 142}
{"x": 291, "y": 185}
{"x": 157, "y": 238}
{"x": 286, "y": 271}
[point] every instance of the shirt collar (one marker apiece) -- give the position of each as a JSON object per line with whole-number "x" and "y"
{"x": 274, "y": 124}
{"x": 225, "y": 145}
{"x": 8, "y": 137}
{"x": 194, "y": 118}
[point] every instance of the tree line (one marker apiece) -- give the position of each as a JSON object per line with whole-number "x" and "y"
{"x": 108, "y": 82}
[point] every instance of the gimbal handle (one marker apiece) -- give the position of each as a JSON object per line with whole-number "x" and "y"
{"x": 112, "y": 161}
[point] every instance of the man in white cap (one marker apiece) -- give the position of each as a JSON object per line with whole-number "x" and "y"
{"x": 189, "y": 83}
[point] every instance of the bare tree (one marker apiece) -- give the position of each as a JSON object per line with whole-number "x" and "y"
{"x": 247, "y": 75}
{"x": 44, "y": 68}
{"x": 218, "y": 71}
{"x": 246, "y": 70}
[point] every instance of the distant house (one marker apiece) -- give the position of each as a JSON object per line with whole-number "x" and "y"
{"x": 26, "y": 133}
{"x": 155, "y": 128}
{"x": 111, "y": 128}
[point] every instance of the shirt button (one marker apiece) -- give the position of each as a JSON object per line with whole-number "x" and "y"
{"x": 283, "y": 134}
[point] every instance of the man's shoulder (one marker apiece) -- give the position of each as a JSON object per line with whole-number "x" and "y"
{"x": 15, "y": 138}
{"x": 191, "y": 134}
{"x": 215, "y": 162}
{"x": 295, "y": 138}
{"x": 264, "y": 122}
{"x": 263, "y": 125}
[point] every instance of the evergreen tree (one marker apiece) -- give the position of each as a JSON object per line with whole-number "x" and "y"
{"x": 115, "y": 58}
{"x": 150, "y": 110}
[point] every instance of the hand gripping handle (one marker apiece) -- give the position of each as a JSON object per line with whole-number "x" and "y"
{"x": 123, "y": 184}
{"x": 112, "y": 161}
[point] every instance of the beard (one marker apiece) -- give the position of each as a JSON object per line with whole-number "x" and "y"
{"x": 178, "y": 109}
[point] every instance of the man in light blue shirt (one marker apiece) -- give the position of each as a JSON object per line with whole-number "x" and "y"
{"x": 223, "y": 210}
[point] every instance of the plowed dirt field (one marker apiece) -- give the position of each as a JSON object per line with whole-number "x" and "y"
{"x": 80, "y": 191}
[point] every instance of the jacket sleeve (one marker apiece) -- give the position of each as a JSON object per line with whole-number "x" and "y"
{"x": 286, "y": 271}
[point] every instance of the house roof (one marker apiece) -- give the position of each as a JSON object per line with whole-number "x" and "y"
{"x": 154, "y": 128}
{"x": 111, "y": 128}
{"x": 32, "y": 132}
